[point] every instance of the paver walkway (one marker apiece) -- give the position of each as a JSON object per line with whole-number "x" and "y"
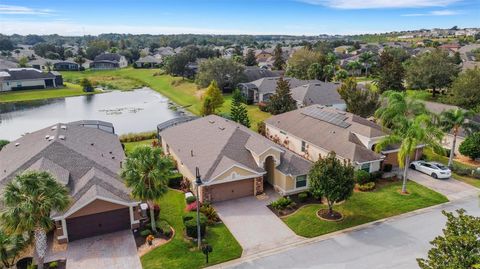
{"x": 254, "y": 226}
{"x": 451, "y": 188}
{"x": 110, "y": 251}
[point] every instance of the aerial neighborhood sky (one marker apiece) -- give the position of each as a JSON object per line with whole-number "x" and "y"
{"x": 296, "y": 17}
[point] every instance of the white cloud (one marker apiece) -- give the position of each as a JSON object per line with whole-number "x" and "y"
{"x": 20, "y": 10}
{"x": 371, "y": 4}
{"x": 435, "y": 13}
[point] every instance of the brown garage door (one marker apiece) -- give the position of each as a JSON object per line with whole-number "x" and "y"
{"x": 232, "y": 190}
{"x": 97, "y": 224}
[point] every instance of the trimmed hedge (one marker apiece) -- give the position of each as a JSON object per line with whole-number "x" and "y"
{"x": 191, "y": 199}
{"x": 362, "y": 177}
{"x": 367, "y": 186}
{"x": 164, "y": 227}
{"x": 302, "y": 197}
{"x": 282, "y": 203}
{"x": 175, "y": 181}
{"x": 190, "y": 222}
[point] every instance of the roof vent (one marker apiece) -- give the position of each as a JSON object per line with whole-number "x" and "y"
{"x": 91, "y": 144}
{"x": 47, "y": 136}
{"x": 54, "y": 128}
{"x": 17, "y": 144}
{"x": 191, "y": 152}
{"x": 113, "y": 157}
{"x": 211, "y": 121}
{"x": 64, "y": 127}
{"x": 221, "y": 128}
{"x": 51, "y": 138}
{"x": 62, "y": 137}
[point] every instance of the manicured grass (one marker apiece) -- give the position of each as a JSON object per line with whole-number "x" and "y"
{"x": 30, "y": 95}
{"x": 181, "y": 91}
{"x": 129, "y": 146}
{"x": 363, "y": 207}
{"x": 180, "y": 253}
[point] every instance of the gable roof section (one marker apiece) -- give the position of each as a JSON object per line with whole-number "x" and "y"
{"x": 328, "y": 136}
{"x": 321, "y": 93}
{"x": 25, "y": 73}
{"x": 111, "y": 57}
{"x": 44, "y": 164}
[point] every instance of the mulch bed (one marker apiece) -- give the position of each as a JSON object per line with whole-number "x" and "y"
{"x": 25, "y": 262}
{"x": 298, "y": 204}
{"x": 140, "y": 240}
{"x": 324, "y": 215}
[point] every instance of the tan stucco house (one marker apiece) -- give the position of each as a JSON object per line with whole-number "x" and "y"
{"x": 86, "y": 158}
{"x": 316, "y": 130}
{"x": 233, "y": 160}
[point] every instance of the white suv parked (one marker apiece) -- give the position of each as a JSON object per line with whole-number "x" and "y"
{"x": 434, "y": 169}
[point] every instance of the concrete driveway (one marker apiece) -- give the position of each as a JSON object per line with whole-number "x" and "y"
{"x": 110, "y": 251}
{"x": 451, "y": 188}
{"x": 254, "y": 226}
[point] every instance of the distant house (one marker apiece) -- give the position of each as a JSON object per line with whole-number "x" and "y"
{"x": 39, "y": 63}
{"x": 58, "y": 65}
{"x": 148, "y": 62}
{"x": 85, "y": 160}
{"x": 252, "y": 73}
{"x": 6, "y": 64}
{"x": 28, "y": 78}
{"x": 318, "y": 93}
{"x": 66, "y": 66}
{"x": 314, "y": 131}
{"x": 233, "y": 161}
{"x": 262, "y": 55}
{"x": 109, "y": 61}
{"x": 261, "y": 90}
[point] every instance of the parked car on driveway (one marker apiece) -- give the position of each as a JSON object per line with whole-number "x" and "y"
{"x": 434, "y": 169}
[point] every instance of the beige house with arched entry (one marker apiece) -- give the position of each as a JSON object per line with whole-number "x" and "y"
{"x": 233, "y": 160}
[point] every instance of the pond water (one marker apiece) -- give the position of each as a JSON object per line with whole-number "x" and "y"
{"x": 129, "y": 111}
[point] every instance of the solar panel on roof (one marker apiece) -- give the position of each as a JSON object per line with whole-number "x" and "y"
{"x": 318, "y": 113}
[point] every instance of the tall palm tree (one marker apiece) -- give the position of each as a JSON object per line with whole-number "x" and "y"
{"x": 418, "y": 131}
{"x": 49, "y": 66}
{"x": 10, "y": 246}
{"x": 28, "y": 201}
{"x": 454, "y": 120}
{"x": 146, "y": 172}
{"x": 396, "y": 108}
{"x": 367, "y": 60}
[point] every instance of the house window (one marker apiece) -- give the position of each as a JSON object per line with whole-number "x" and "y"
{"x": 365, "y": 167}
{"x": 304, "y": 146}
{"x": 301, "y": 181}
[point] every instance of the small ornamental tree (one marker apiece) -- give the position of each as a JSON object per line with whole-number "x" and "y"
{"x": 471, "y": 146}
{"x": 213, "y": 99}
{"x": 238, "y": 111}
{"x": 278, "y": 61}
{"x": 86, "y": 85}
{"x": 250, "y": 59}
{"x": 282, "y": 100}
{"x": 459, "y": 247}
{"x": 332, "y": 179}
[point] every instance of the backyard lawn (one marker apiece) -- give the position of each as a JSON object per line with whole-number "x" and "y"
{"x": 30, "y": 95}
{"x": 180, "y": 253}
{"x": 363, "y": 207}
{"x": 129, "y": 146}
{"x": 181, "y": 91}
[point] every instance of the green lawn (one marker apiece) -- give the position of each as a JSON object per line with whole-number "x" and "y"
{"x": 363, "y": 207}
{"x": 129, "y": 146}
{"x": 180, "y": 253}
{"x": 181, "y": 91}
{"x": 30, "y": 95}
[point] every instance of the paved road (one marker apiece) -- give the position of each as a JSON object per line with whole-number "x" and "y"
{"x": 254, "y": 226}
{"x": 395, "y": 243}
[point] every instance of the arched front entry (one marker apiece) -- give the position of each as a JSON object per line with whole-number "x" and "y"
{"x": 269, "y": 166}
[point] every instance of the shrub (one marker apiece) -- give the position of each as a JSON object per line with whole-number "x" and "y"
{"x": 471, "y": 146}
{"x": 282, "y": 203}
{"x": 145, "y": 232}
{"x": 53, "y": 264}
{"x": 367, "y": 186}
{"x": 263, "y": 106}
{"x": 191, "y": 206}
{"x": 210, "y": 213}
{"x": 387, "y": 168}
{"x": 191, "y": 199}
{"x": 461, "y": 171}
{"x": 261, "y": 129}
{"x": 302, "y": 197}
{"x": 190, "y": 221}
{"x": 375, "y": 176}
{"x": 164, "y": 227}
{"x": 175, "y": 181}
{"x": 476, "y": 174}
{"x": 361, "y": 177}
{"x": 135, "y": 137}
{"x": 442, "y": 152}
{"x": 3, "y": 143}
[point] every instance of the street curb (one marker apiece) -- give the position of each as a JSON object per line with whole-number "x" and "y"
{"x": 308, "y": 241}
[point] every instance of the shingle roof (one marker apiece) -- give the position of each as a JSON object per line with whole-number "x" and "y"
{"x": 111, "y": 57}
{"x": 320, "y": 93}
{"x": 269, "y": 84}
{"x": 149, "y": 59}
{"x": 25, "y": 73}
{"x": 253, "y": 73}
{"x": 214, "y": 144}
{"x": 330, "y": 137}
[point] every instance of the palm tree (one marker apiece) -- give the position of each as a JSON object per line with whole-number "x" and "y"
{"x": 354, "y": 66}
{"x": 10, "y": 246}
{"x": 396, "y": 108}
{"x": 146, "y": 172}
{"x": 452, "y": 121}
{"x": 49, "y": 66}
{"x": 413, "y": 133}
{"x": 367, "y": 60}
{"x": 28, "y": 201}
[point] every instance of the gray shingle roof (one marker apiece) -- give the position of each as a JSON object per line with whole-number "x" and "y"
{"x": 269, "y": 84}
{"x": 111, "y": 57}
{"x": 320, "y": 93}
{"x": 25, "y": 73}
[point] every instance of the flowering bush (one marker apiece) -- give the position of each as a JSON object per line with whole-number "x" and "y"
{"x": 191, "y": 206}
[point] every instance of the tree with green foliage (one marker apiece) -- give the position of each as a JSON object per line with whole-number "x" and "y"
{"x": 341, "y": 75}
{"x": 22, "y": 62}
{"x": 434, "y": 70}
{"x": 315, "y": 71}
{"x": 471, "y": 146}
{"x": 6, "y": 44}
{"x": 281, "y": 101}
{"x": 250, "y": 59}
{"x": 454, "y": 120}
{"x": 391, "y": 73}
{"x": 3, "y": 143}
{"x": 176, "y": 65}
{"x": 238, "y": 110}
{"x": 328, "y": 72}
{"x": 86, "y": 85}
{"x": 213, "y": 99}
{"x": 226, "y": 72}
{"x": 301, "y": 60}
{"x": 355, "y": 68}
{"x": 359, "y": 101}
{"x": 367, "y": 59}
{"x": 458, "y": 247}
{"x": 278, "y": 61}
{"x": 95, "y": 48}
{"x": 10, "y": 247}
{"x": 28, "y": 200}
{"x": 410, "y": 126}
{"x": 146, "y": 172}
{"x": 332, "y": 179}
{"x": 465, "y": 90}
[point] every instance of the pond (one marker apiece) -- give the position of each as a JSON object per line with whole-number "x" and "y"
{"x": 129, "y": 111}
